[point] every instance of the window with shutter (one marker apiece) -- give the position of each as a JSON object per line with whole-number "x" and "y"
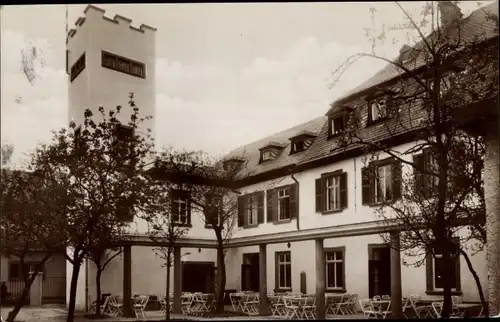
{"x": 381, "y": 181}
{"x": 294, "y": 200}
{"x": 283, "y": 204}
{"x": 331, "y": 192}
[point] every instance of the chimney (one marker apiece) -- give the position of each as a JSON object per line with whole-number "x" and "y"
{"x": 449, "y": 12}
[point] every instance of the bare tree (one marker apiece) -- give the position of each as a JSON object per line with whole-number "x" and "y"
{"x": 425, "y": 94}
{"x": 101, "y": 166}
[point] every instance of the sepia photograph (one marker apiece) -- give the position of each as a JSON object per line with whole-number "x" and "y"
{"x": 249, "y": 161}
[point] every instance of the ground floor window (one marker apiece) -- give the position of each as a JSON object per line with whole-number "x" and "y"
{"x": 283, "y": 270}
{"x": 335, "y": 268}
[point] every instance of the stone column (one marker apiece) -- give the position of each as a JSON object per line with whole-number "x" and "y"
{"x": 264, "y": 307}
{"x": 320, "y": 280}
{"x": 492, "y": 198}
{"x": 396, "y": 292}
{"x": 177, "y": 280}
{"x": 127, "y": 282}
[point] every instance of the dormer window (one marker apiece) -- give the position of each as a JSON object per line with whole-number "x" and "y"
{"x": 270, "y": 151}
{"x": 267, "y": 156}
{"x": 301, "y": 142}
{"x": 336, "y": 125}
{"x": 377, "y": 110}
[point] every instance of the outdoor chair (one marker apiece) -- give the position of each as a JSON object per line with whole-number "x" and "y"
{"x": 421, "y": 311}
{"x": 140, "y": 305}
{"x": 251, "y": 304}
{"x": 186, "y": 302}
{"x": 367, "y": 308}
{"x": 407, "y": 308}
{"x": 384, "y": 310}
{"x": 332, "y": 304}
{"x": 115, "y": 304}
{"x": 292, "y": 310}
{"x": 103, "y": 304}
{"x": 309, "y": 308}
{"x": 276, "y": 305}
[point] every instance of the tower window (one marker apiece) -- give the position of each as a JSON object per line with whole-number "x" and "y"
{"x": 77, "y": 67}
{"x": 123, "y": 65}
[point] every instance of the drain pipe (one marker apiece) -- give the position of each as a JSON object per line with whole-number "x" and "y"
{"x": 298, "y": 186}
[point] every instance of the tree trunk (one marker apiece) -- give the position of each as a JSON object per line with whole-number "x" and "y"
{"x": 478, "y": 282}
{"x": 221, "y": 272}
{"x": 167, "y": 293}
{"x": 73, "y": 288}
{"x": 20, "y": 302}
{"x": 98, "y": 291}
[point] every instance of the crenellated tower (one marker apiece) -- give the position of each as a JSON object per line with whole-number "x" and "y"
{"x": 106, "y": 59}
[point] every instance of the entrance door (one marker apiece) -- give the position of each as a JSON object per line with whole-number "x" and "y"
{"x": 198, "y": 277}
{"x": 250, "y": 272}
{"x": 379, "y": 270}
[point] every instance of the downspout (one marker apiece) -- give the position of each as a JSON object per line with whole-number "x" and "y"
{"x": 298, "y": 187}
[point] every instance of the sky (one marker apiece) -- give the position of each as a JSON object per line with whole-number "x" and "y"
{"x": 227, "y": 74}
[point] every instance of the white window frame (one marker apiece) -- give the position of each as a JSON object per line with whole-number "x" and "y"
{"x": 378, "y": 109}
{"x": 267, "y": 155}
{"x": 178, "y": 202}
{"x": 334, "y": 261}
{"x": 383, "y": 181}
{"x": 253, "y": 210}
{"x": 333, "y": 183}
{"x": 283, "y": 193}
{"x": 284, "y": 259}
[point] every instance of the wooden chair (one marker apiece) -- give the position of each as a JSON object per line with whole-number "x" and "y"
{"x": 140, "y": 305}
{"x": 367, "y": 308}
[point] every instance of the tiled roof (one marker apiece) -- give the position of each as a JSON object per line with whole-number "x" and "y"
{"x": 251, "y": 153}
{"x": 475, "y": 25}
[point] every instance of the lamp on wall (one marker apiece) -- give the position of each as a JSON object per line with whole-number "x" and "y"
{"x": 288, "y": 245}
{"x": 199, "y": 250}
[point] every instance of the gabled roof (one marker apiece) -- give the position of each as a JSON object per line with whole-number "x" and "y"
{"x": 477, "y": 24}
{"x": 251, "y": 152}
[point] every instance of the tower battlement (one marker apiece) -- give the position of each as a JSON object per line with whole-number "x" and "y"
{"x": 117, "y": 19}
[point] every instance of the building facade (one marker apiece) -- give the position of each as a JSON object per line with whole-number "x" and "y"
{"x": 301, "y": 199}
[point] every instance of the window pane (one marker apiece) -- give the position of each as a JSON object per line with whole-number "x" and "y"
{"x": 338, "y": 255}
{"x": 330, "y": 275}
{"x": 339, "y": 275}
{"x": 439, "y": 270}
{"x": 282, "y": 276}
{"x": 288, "y": 269}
